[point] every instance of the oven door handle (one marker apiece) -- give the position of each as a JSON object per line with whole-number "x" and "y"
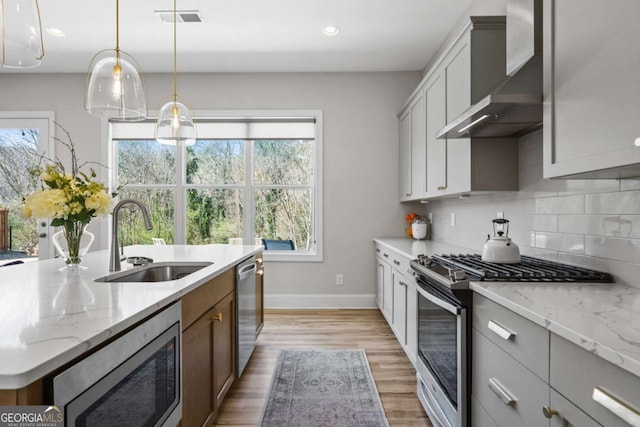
{"x": 439, "y": 302}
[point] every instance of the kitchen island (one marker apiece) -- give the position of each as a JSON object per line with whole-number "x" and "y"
{"x": 51, "y": 317}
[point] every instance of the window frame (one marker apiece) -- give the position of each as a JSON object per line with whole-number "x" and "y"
{"x": 248, "y": 187}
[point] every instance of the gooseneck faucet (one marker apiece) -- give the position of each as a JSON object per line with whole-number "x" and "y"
{"x": 114, "y": 259}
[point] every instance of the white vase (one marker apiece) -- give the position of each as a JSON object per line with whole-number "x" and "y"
{"x": 73, "y": 243}
{"x": 419, "y": 231}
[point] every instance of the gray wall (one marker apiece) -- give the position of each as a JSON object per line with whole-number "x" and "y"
{"x": 361, "y": 175}
{"x": 593, "y": 223}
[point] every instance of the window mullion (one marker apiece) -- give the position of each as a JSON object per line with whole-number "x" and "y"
{"x": 249, "y": 196}
{"x": 180, "y": 201}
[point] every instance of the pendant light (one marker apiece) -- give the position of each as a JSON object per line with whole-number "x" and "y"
{"x": 114, "y": 84}
{"x": 175, "y": 120}
{"x": 22, "y": 45}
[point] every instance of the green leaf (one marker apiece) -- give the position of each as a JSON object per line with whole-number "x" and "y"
{"x": 57, "y": 222}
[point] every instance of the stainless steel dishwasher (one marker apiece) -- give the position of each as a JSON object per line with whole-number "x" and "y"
{"x": 245, "y": 312}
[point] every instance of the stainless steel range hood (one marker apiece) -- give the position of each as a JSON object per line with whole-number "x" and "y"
{"x": 514, "y": 107}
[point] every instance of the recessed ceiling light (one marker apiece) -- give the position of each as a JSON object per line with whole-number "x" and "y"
{"x": 56, "y": 32}
{"x": 331, "y": 30}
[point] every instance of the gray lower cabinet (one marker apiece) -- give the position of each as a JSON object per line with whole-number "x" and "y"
{"x": 607, "y": 393}
{"x": 523, "y": 375}
{"x": 510, "y": 393}
{"x": 591, "y": 88}
{"x": 397, "y": 297}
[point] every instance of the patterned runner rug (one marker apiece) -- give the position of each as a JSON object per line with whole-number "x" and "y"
{"x": 323, "y": 388}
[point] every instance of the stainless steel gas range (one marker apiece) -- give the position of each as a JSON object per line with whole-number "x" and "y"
{"x": 444, "y": 322}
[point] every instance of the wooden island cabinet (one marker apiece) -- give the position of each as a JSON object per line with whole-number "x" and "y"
{"x": 208, "y": 348}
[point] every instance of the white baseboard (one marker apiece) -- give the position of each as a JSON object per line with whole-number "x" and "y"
{"x": 319, "y": 301}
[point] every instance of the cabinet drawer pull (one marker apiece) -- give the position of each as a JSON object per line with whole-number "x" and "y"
{"x": 260, "y": 272}
{"x": 442, "y": 187}
{"x": 620, "y": 408}
{"x": 396, "y": 262}
{"x": 402, "y": 283}
{"x": 502, "y": 392}
{"x": 407, "y": 194}
{"x": 385, "y": 255}
{"x": 258, "y": 260}
{"x": 217, "y": 317}
{"x": 377, "y": 250}
{"x": 548, "y": 412}
{"x": 501, "y": 331}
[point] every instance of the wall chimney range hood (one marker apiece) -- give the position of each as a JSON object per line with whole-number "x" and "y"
{"x": 514, "y": 107}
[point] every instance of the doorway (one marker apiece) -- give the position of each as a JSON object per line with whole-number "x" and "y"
{"x": 25, "y": 138}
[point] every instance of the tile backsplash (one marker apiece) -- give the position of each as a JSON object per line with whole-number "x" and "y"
{"x": 592, "y": 223}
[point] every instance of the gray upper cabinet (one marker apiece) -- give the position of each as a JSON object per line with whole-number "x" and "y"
{"x": 413, "y": 149}
{"x": 467, "y": 70}
{"x": 591, "y": 88}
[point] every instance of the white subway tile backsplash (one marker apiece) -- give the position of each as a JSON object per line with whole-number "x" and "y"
{"x": 623, "y": 202}
{"x": 587, "y": 186}
{"x": 560, "y": 242}
{"x": 613, "y": 248}
{"x": 597, "y": 225}
{"x": 629, "y": 184}
{"x": 630, "y": 226}
{"x": 535, "y": 222}
{"x": 561, "y": 205}
{"x": 591, "y": 223}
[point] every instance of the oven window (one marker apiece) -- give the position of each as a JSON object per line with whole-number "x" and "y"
{"x": 141, "y": 398}
{"x": 437, "y": 345}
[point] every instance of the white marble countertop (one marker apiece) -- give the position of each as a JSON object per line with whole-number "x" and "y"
{"x": 49, "y": 317}
{"x": 601, "y": 318}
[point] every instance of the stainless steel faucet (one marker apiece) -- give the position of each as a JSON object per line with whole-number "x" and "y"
{"x": 114, "y": 259}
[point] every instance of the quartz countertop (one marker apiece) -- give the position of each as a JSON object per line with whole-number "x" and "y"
{"x": 603, "y": 318}
{"x": 49, "y": 317}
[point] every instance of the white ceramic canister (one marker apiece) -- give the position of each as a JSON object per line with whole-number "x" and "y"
{"x": 419, "y": 230}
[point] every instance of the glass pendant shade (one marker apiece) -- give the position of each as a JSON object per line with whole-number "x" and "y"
{"x": 175, "y": 123}
{"x": 22, "y": 45}
{"x": 115, "y": 88}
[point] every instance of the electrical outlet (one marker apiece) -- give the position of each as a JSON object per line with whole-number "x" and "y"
{"x": 339, "y": 280}
{"x": 453, "y": 219}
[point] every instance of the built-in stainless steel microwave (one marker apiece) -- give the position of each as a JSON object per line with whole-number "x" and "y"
{"x": 133, "y": 381}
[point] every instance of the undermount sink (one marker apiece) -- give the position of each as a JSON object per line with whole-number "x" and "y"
{"x": 157, "y": 272}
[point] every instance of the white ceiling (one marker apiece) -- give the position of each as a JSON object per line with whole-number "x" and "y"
{"x": 253, "y": 35}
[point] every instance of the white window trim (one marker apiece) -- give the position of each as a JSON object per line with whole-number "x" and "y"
{"x": 108, "y": 157}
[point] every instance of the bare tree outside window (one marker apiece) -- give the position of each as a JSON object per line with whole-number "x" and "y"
{"x": 18, "y": 156}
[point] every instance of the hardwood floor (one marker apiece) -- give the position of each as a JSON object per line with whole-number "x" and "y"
{"x": 327, "y": 329}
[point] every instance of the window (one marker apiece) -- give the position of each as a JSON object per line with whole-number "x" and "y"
{"x": 245, "y": 179}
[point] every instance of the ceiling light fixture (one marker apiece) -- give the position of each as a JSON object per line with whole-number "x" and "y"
{"x": 331, "y": 30}
{"x": 56, "y": 32}
{"x": 114, "y": 84}
{"x": 175, "y": 120}
{"x": 22, "y": 45}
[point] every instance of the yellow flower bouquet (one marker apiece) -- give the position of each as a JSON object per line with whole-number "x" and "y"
{"x": 70, "y": 200}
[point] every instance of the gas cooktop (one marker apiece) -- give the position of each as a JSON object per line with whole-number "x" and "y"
{"x": 471, "y": 267}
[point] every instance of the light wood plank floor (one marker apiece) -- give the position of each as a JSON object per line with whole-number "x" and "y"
{"x": 327, "y": 329}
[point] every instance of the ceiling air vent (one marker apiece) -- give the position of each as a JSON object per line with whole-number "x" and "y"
{"x": 182, "y": 16}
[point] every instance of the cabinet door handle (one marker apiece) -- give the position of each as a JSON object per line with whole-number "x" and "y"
{"x": 260, "y": 272}
{"x": 396, "y": 262}
{"x": 402, "y": 283}
{"x": 377, "y": 250}
{"x": 442, "y": 187}
{"x": 258, "y": 260}
{"x": 501, "y": 331}
{"x": 502, "y": 392}
{"x": 385, "y": 255}
{"x": 548, "y": 412}
{"x": 217, "y": 317}
{"x": 407, "y": 194}
{"x": 621, "y": 409}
